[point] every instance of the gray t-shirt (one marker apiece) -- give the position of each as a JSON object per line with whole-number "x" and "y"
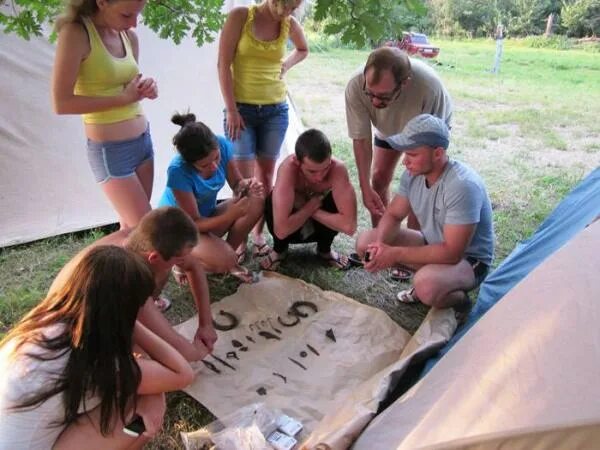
{"x": 458, "y": 197}
{"x": 425, "y": 94}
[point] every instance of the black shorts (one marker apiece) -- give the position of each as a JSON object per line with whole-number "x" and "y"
{"x": 479, "y": 269}
{"x": 378, "y": 142}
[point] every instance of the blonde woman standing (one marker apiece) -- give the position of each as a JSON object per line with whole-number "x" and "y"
{"x": 252, "y": 65}
{"x": 96, "y": 75}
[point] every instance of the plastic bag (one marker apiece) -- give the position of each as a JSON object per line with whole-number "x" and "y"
{"x": 245, "y": 429}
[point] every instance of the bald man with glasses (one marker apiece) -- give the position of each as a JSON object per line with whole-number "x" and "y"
{"x": 391, "y": 90}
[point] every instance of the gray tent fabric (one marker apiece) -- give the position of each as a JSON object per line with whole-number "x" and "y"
{"x": 46, "y": 186}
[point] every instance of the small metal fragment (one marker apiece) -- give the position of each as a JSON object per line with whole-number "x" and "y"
{"x": 277, "y": 330}
{"x": 250, "y": 339}
{"x": 225, "y": 363}
{"x": 269, "y": 335}
{"x": 297, "y": 363}
{"x": 233, "y": 321}
{"x": 261, "y": 391}
{"x": 236, "y": 343}
{"x": 288, "y": 324}
{"x": 330, "y": 335}
{"x": 231, "y": 355}
{"x": 312, "y": 349}
{"x": 280, "y": 376}
{"x": 303, "y": 354}
{"x": 211, "y": 366}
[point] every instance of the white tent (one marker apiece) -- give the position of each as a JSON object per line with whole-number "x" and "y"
{"x": 46, "y": 186}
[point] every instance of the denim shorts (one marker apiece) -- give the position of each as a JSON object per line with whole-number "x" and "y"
{"x": 119, "y": 159}
{"x": 264, "y": 133}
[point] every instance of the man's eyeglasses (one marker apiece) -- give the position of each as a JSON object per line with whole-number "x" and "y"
{"x": 383, "y": 97}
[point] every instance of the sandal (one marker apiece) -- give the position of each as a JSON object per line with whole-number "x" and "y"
{"x": 260, "y": 250}
{"x": 245, "y": 276}
{"x": 240, "y": 255}
{"x": 462, "y": 310}
{"x": 337, "y": 260}
{"x": 162, "y": 303}
{"x": 272, "y": 260}
{"x": 355, "y": 260}
{"x": 179, "y": 275}
{"x": 408, "y": 296}
{"x": 401, "y": 274}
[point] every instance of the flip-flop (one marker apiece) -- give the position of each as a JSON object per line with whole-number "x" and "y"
{"x": 337, "y": 260}
{"x": 260, "y": 250}
{"x": 272, "y": 263}
{"x": 408, "y": 296}
{"x": 355, "y": 260}
{"x": 401, "y": 274}
{"x": 163, "y": 304}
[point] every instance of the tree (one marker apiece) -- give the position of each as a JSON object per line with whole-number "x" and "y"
{"x": 581, "y": 18}
{"x": 527, "y": 17}
{"x": 358, "y": 21}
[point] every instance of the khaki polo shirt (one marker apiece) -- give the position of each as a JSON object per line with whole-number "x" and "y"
{"x": 425, "y": 94}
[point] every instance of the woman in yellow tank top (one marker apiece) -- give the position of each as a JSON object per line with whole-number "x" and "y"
{"x": 252, "y": 65}
{"x": 96, "y": 75}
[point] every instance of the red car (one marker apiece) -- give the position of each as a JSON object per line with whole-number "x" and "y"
{"x": 415, "y": 44}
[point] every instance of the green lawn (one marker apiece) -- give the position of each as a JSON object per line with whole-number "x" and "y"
{"x": 531, "y": 131}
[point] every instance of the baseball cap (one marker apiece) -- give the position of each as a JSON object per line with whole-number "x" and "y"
{"x": 423, "y": 129}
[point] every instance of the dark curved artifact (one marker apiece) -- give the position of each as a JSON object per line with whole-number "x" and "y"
{"x": 269, "y": 335}
{"x": 280, "y": 376}
{"x": 288, "y": 324}
{"x": 233, "y": 321}
{"x": 231, "y": 355}
{"x": 225, "y": 363}
{"x": 295, "y": 309}
{"x": 236, "y": 343}
{"x": 243, "y": 349}
{"x": 303, "y": 354}
{"x": 250, "y": 339}
{"x": 211, "y": 366}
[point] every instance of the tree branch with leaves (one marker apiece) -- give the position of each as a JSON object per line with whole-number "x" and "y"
{"x": 357, "y": 21}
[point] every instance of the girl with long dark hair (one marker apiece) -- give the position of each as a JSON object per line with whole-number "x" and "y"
{"x": 70, "y": 375}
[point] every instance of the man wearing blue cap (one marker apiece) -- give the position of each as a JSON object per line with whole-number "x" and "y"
{"x": 454, "y": 248}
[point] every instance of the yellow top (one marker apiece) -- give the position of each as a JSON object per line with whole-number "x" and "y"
{"x": 257, "y": 65}
{"x": 103, "y": 75}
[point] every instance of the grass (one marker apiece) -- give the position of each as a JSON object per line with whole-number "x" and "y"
{"x": 527, "y": 130}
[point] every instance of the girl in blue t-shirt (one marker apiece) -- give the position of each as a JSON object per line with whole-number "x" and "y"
{"x": 194, "y": 178}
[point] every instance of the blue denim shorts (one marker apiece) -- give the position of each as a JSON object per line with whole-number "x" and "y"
{"x": 119, "y": 159}
{"x": 264, "y": 133}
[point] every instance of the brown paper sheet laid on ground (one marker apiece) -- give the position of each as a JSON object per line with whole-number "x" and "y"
{"x": 299, "y": 369}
